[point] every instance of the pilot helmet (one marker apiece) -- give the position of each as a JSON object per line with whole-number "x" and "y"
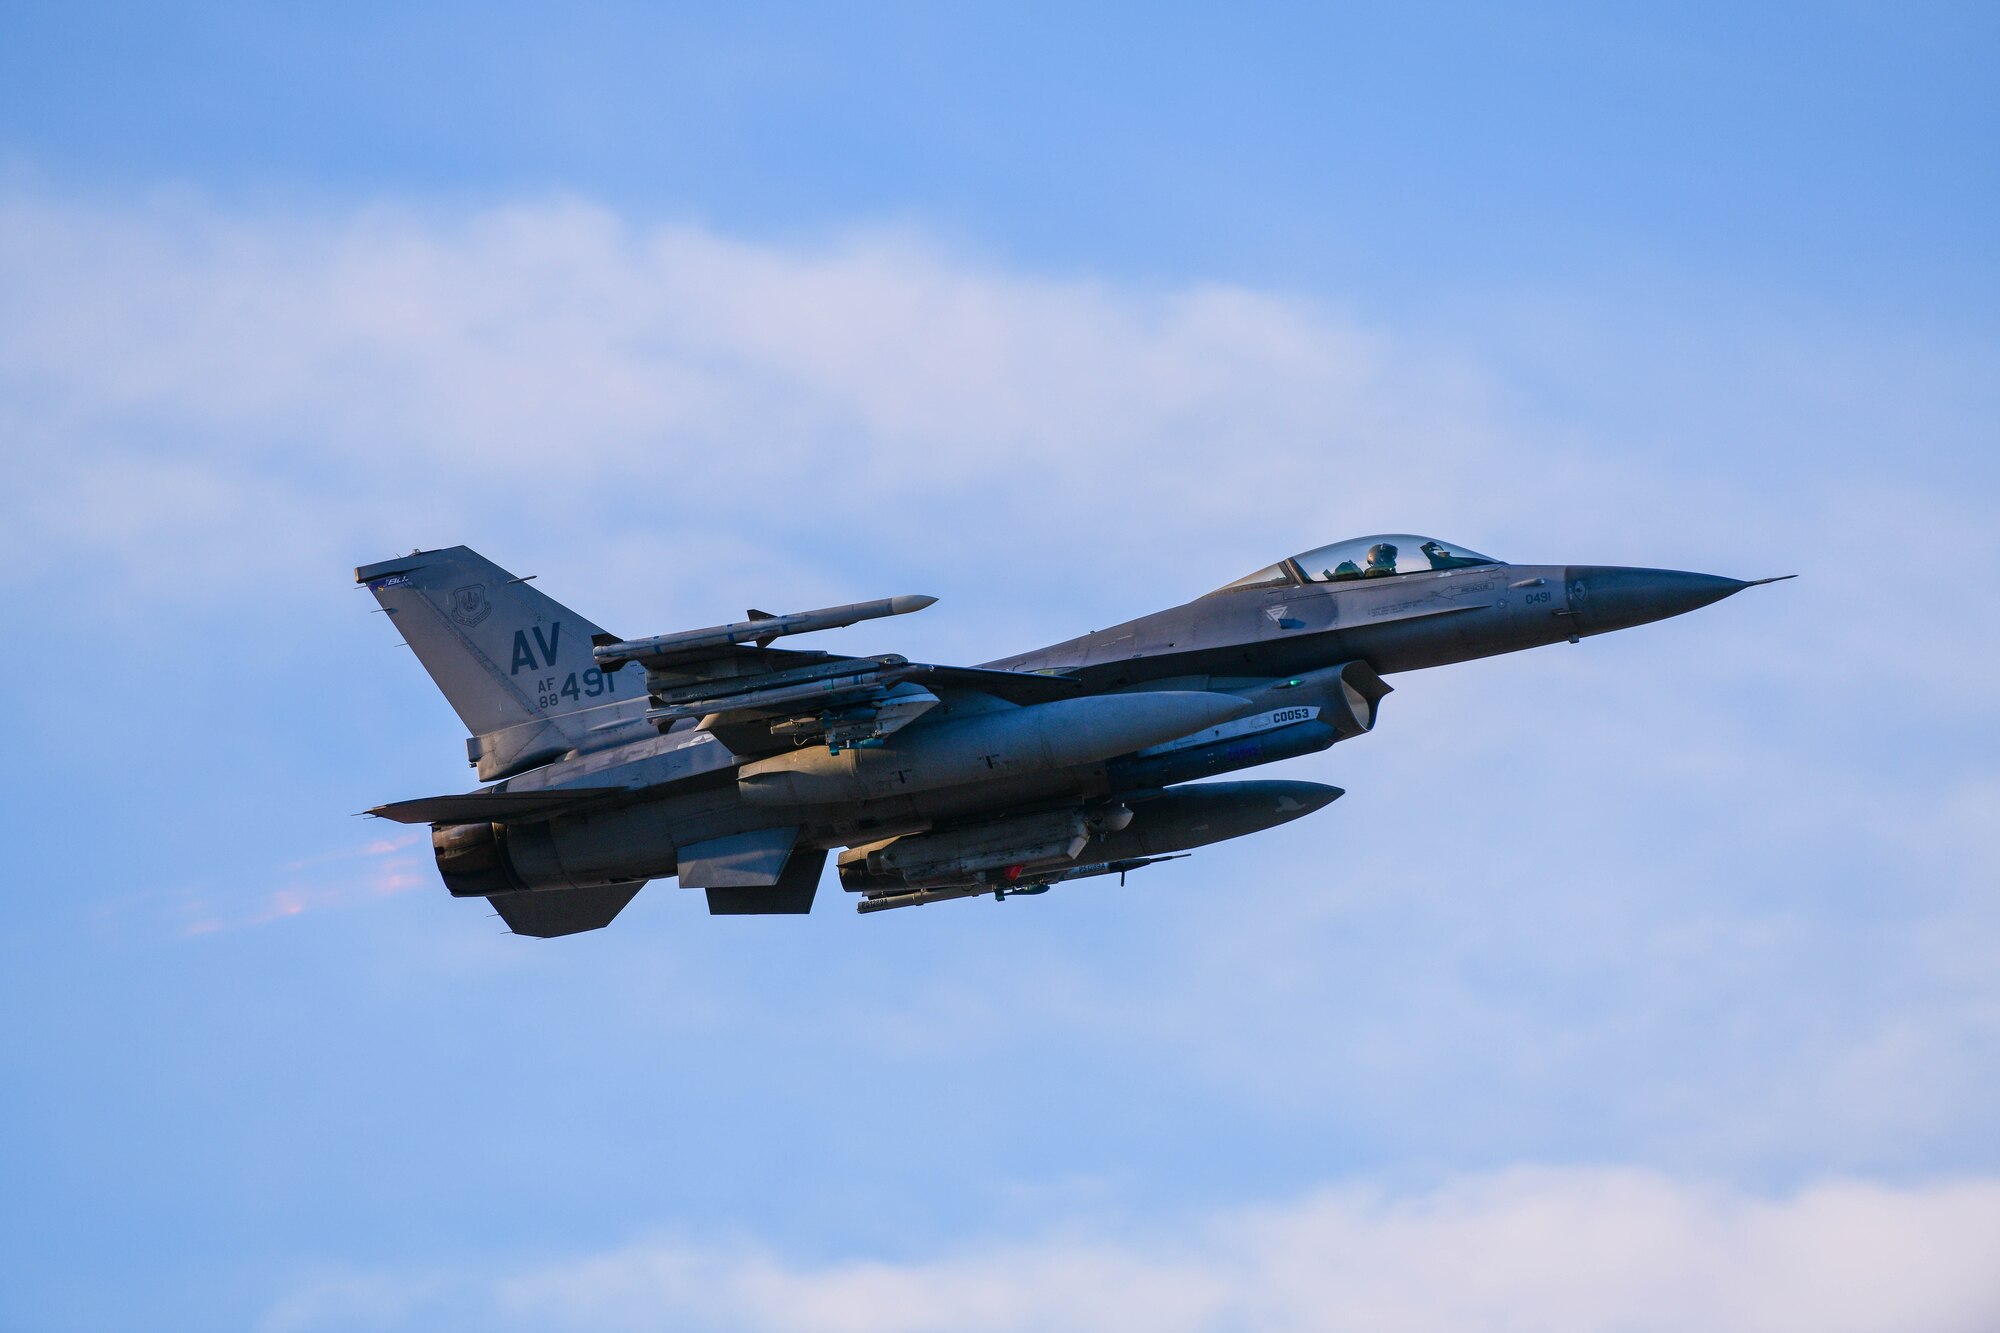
{"x": 1382, "y": 555}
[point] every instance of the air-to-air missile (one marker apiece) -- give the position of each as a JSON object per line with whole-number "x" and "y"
{"x": 736, "y": 766}
{"x": 761, "y": 629}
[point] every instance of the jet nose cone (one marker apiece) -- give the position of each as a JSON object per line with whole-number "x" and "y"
{"x": 1607, "y": 597}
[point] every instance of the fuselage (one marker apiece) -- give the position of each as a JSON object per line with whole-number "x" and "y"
{"x": 1400, "y": 623}
{"x": 1298, "y": 660}
{"x": 1232, "y": 640}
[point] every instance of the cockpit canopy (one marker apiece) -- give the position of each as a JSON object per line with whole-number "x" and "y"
{"x": 1380, "y": 556}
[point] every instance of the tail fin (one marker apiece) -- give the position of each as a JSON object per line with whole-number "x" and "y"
{"x": 515, "y": 665}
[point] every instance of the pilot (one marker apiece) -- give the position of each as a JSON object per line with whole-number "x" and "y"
{"x": 1381, "y": 561}
{"x": 1343, "y": 571}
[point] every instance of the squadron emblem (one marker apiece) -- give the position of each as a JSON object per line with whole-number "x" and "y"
{"x": 469, "y": 605}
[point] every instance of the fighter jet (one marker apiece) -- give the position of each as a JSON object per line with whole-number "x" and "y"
{"x": 737, "y": 767}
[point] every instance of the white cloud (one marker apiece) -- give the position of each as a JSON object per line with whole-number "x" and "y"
{"x": 1542, "y": 1250}
{"x": 553, "y": 364}
{"x": 574, "y": 385}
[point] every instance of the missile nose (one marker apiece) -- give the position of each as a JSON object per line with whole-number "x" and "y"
{"x": 1295, "y": 800}
{"x": 1608, "y": 597}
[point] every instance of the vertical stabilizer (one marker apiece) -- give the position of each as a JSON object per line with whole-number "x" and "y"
{"x": 515, "y": 664}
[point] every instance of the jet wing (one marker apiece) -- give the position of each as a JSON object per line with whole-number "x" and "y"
{"x": 757, "y": 699}
{"x": 479, "y": 807}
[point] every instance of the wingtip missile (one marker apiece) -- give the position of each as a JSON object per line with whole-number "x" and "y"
{"x": 760, "y": 629}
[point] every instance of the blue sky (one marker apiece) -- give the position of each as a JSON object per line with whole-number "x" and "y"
{"x": 1669, "y": 954}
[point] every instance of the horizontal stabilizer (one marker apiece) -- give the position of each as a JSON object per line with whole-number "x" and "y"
{"x": 479, "y": 807}
{"x": 547, "y": 913}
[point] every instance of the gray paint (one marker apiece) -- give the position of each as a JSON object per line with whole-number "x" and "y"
{"x": 737, "y": 766}
{"x": 739, "y": 861}
{"x": 791, "y": 895}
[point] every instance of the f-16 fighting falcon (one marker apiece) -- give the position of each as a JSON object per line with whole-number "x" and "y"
{"x": 738, "y": 767}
